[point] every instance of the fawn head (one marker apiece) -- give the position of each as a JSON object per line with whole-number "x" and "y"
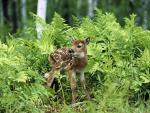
{"x": 79, "y": 47}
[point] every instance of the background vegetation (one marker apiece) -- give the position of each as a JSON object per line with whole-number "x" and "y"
{"x": 16, "y": 14}
{"x": 118, "y": 71}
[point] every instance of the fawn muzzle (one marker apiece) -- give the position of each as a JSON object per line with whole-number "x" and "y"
{"x": 71, "y": 51}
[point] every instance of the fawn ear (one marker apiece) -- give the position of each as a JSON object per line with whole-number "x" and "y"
{"x": 87, "y": 40}
{"x": 72, "y": 39}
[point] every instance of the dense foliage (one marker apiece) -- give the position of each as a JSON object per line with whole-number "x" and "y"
{"x": 118, "y": 71}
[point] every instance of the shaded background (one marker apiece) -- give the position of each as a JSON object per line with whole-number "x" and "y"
{"x": 118, "y": 71}
{"x": 15, "y": 14}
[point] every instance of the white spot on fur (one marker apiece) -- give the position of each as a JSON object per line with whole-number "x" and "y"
{"x": 59, "y": 50}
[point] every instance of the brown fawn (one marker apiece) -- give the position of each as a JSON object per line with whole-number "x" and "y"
{"x": 73, "y": 60}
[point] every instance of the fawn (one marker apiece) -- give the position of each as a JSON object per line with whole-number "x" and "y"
{"x": 74, "y": 60}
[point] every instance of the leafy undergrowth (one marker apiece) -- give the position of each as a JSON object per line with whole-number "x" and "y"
{"x": 118, "y": 71}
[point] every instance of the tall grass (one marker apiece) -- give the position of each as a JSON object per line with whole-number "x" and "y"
{"x": 118, "y": 71}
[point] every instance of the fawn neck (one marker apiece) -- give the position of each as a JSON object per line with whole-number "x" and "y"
{"x": 80, "y": 54}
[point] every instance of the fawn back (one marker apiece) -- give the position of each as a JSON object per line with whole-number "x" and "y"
{"x": 61, "y": 57}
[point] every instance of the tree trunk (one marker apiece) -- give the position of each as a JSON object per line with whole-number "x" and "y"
{"x": 66, "y": 8}
{"x": 14, "y": 16}
{"x": 79, "y": 2}
{"x": 23, "y": 12}
{"x": 91, "y": 6}
{"x": 131, "y": 6}
{"x": 41, "y": 12}
{"x": 5, "y": 11}
{"x": 95, "y": 4}
{"x": 144, "y": 4}
{"x": 1, "y": 13}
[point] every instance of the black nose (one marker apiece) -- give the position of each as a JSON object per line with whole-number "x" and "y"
{"x": 71, "y": 51}
{"x": 78, "y": 46}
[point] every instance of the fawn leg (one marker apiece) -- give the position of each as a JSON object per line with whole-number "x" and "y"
{"x": 72, "y": 78}
{"x": 50, "y": 76}
{"x": 83, "y": 83}
{"x": 70, "y": 64}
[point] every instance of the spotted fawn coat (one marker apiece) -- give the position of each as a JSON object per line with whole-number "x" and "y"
{"x": 73, "y": 60}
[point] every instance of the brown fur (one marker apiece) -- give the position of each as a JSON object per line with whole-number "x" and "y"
{"x": 73, "y": 63}
{"x": 61, "y": 58}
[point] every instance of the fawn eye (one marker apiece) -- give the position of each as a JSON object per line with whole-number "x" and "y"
{"x": 78, "y": 46}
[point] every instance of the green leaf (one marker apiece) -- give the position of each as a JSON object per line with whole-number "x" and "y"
{"x": 145, "y": 79}
{"x": 22, "y": 77}
{"x": 145, "y": 58}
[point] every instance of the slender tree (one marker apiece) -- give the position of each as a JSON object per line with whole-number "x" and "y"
{"x": 66, "y": 7}
{"x": 14, "y": 16}
{"x": 23, "y": 12}
{"x": 5, "y": 11}
{"x": 1, "y": 13}
{"x": 41, "y": 12}
{"x": 95, "y": 4}
{"x": 91, "y": 6}
{"x": 144, "y": 4}
{"x": 79, "y": 3}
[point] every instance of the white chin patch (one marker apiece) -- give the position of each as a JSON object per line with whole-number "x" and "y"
{"x": 81, "y": 55}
